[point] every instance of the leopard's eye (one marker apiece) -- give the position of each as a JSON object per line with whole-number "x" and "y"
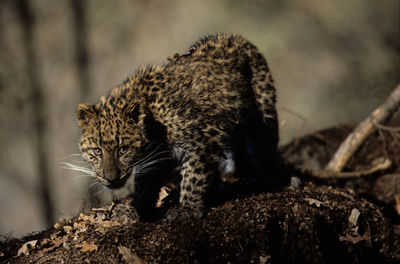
{"x": 123, "y": 150}
{"x": 97, "y": 151}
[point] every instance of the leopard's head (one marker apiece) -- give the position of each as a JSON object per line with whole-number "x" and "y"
{"x": 113, "y": 139}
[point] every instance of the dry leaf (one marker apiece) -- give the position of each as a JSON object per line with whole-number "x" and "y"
{"x": 129, "y": 256}
{"x": 100, "y": 216}
{"x": 61, "y": 222}
{"x": 67, "y": 229}
{"x": 57, "y": 226}
{"x": 87, "y": 218}
{"x": 82, "y": 216}
{"x": 85, "y": 246}
{"x": 58, "y": 241}
{"x": 80, "y": 227}
{"x": 53, "y": 236}
{"x": 103, "y": 225}
{"x": 25, "y": 249}
{"x": 109, "y": 224}
{"x": 44, "y": 242}
{"x": 312, "y": 201}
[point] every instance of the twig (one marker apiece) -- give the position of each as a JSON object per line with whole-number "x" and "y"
{"x": 382, "y": 165}
{"x": 396, "y": 141}
{"x": 363, "y": 130}
{"x": 383, "y": 142}
{"x": 393, "y": 131}
{"x": 387, "y": 128}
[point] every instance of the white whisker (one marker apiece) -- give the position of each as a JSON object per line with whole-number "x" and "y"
{"x": 152, "y": 157}
{"x": 73, "y": 155}
{"x": 93, "y": 184}
{"x": 150, "y": 163}
{"x": 148, "y": 156}
{"x": 149, "y": 167}
{"x": 146, "y": 171}
{"x": 80, "y": 161}
{"x": 74, "y": 167}
{"x": 83, "y": 176}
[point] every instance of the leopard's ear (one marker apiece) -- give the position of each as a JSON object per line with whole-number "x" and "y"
{"x": 84, "y": 112}
{"x": 132, "y": 113}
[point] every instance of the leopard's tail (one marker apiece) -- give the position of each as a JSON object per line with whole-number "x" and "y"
{"x": 264, "y": 90}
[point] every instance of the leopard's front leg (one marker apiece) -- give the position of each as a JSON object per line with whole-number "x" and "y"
{"x": 200, "y": 178}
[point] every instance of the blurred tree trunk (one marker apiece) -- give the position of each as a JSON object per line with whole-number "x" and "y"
{"x": 78, "y": 8}
{"x": 80, "y": 29}
{"x": 27, "y": 19}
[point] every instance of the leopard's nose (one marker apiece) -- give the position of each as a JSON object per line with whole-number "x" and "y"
{"x": 110, "y": 167}
{"x": 111, "y": 174}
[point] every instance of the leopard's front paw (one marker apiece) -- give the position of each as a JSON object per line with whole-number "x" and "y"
{"x": 124, "y": 210}
{"x": 180, "y": 213}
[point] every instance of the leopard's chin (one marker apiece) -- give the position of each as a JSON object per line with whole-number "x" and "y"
{"x": 116, "y": 184}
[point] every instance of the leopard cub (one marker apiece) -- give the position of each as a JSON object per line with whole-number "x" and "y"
{"x": 207, "y": 112}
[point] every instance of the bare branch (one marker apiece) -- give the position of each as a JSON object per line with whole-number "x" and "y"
{"x": 363, "y": 130}
{"x": 383, "y": 164}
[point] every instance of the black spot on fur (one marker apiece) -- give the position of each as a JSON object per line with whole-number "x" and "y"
{"x": 197, "y": 170}
{"x": 193, "y": 180}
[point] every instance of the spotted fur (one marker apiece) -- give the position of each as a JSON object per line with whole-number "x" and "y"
{"x": 212, "y": 104}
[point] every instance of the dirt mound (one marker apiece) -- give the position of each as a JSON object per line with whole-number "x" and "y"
{"x": 311, "y": 224}
{"x": 347, "y": 221}
{"x": 315, "y": 150}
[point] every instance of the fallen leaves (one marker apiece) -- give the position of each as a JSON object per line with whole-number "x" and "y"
{"x": 67, "y": 229}
{"x": 61, "y": 223}
{"x": 56, "y": 243}
{"x": 85, "y": 246}
{"x": 71, "y": 233}
{"x": 59, "y": 241}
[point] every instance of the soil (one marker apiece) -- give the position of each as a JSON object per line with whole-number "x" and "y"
{"x": 324, "y": 221}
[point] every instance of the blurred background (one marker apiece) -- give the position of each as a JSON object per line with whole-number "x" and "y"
{"x": 333, "y": 62}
